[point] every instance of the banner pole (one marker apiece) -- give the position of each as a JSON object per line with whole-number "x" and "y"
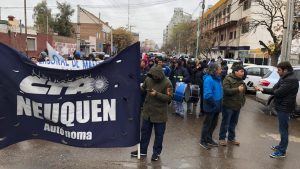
{"x": 139, "y": 151}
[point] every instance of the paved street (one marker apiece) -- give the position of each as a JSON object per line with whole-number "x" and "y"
{"x": 256, "y": 131}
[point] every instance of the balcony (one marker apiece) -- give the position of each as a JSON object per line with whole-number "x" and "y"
{"x": 224, "y": 25}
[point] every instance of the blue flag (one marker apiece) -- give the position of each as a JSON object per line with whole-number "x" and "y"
{"x": 96, "y": 107}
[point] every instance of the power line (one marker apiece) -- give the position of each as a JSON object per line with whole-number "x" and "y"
{"x": 114, "y": 5}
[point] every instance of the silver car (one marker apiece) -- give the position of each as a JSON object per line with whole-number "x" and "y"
{"x": 268, "y": 81}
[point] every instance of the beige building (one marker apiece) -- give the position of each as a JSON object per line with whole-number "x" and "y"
{"x": 149, "y": 46}
{"x": 230, "y": 21}
{"x": 179, "y": 16}
{"x": 94, "y": 33}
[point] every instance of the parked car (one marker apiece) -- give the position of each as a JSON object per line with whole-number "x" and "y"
{"x": 268, "y": 82}
{"x": 244, "y": 65}
{"x": 256, "y": 72}
{"x": 231, "y": 61}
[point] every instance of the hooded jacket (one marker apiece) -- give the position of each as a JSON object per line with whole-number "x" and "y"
{"x": 213, "y": 94}
{"x": 155, "y": 107}
{"x": 233, "y": 98}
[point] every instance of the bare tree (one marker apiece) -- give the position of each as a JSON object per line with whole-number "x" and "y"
{"x": 122, "y": 38}
{"x": 272, "y": 17}
{"x": 207, "y": 42}
{"x": 182, "y": 38}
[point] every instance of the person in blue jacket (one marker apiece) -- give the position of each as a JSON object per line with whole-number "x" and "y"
{"x": 213, "y": 94}
{"x": 165, "y": 67}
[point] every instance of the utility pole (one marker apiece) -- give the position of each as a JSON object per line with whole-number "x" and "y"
{"x": 47, "y": 26}
{"x": 179, "y": 44}
{"x": 198, "y": 28}
{"x": 0, "y": 13}
{"x": 288, "y": 30}
{"x": 78, "y": 29}
{"x": 128, "y": 26}
{"x": 25, "y": 13}
{"x": 111, "y": 42}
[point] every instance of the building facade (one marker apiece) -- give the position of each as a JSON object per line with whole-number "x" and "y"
{"x": 149, "y": 46}
{"x": 95, "y": 34}
{"x": 230, "y": 21}
{"x": 179, "y": 16}
{"x": 12, "y": 33}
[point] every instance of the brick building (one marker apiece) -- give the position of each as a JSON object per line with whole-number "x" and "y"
{"x": 94, "y": 33}
{"x": 13, "y": 35}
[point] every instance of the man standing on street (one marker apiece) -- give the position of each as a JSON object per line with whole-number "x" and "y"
{"x": 233, "y": 100}
{"x": 212, "y": 104}
{"x": 158, "y": 94}
{"x": 285, "y": 92}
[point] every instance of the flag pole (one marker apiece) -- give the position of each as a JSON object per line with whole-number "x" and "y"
{"x": 139, "y": 151}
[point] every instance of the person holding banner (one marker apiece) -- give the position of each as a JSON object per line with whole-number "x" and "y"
{"x": 159, "y": 93}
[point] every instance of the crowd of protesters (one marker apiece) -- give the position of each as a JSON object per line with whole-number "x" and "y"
{"x": 76, "y": 55}
{"x": 220, "y": 91}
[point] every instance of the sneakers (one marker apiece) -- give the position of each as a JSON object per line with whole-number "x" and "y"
{"x": 277, "y": 154}
{"x": 275, "y": 148}
{"x": 234, "y": 142}
{"x": 213, "y": 143}
{"x": 154, "y": 157}
{"x": 204, "y": 145}
{"x": 223, "y": 142}
{"x": 135, "y": 154}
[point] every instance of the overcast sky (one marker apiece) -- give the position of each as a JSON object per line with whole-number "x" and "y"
{"x": 148, "y": 17}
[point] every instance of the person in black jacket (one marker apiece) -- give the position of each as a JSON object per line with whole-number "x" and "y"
{"x": 285, "y": 92}
{"x": 180, "y": 75}
{"x": 198, "y": 80}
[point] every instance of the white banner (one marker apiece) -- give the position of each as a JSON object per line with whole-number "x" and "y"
{"x": 69, "y": 64}
{"x": 53, "y": 54}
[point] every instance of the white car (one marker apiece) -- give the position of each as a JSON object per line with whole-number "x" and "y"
{"x": 256, "y": 72}
{"x": 269, "y": 82}
{"x": 244, "y": 65}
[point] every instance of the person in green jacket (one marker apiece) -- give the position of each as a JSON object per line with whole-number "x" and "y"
{"x": 234, "y": 98}
{"x": 159, "y": 93}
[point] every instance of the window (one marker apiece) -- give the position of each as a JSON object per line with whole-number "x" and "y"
{"x": 267, "y": 74}
{"x": 222, "y": 37}
{"x": 245, "y": 27}
{"x": 247, "y": 4}
{"x": 234, "y": 36}
{"x": 31, "y": 44}
{"x": 230, "y": 35}
{"x": 254, "y": 71}
{"x": 228, "y": 8}
{"x": 264, "y": 71}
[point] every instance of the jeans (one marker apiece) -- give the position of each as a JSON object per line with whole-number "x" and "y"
{"x": 209, "y": 125}
{"x": 179, "y": 109}
{"x": 230, "y": 119}
{"x": 283, "y": 119}
{"x": 159, "y": 130}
